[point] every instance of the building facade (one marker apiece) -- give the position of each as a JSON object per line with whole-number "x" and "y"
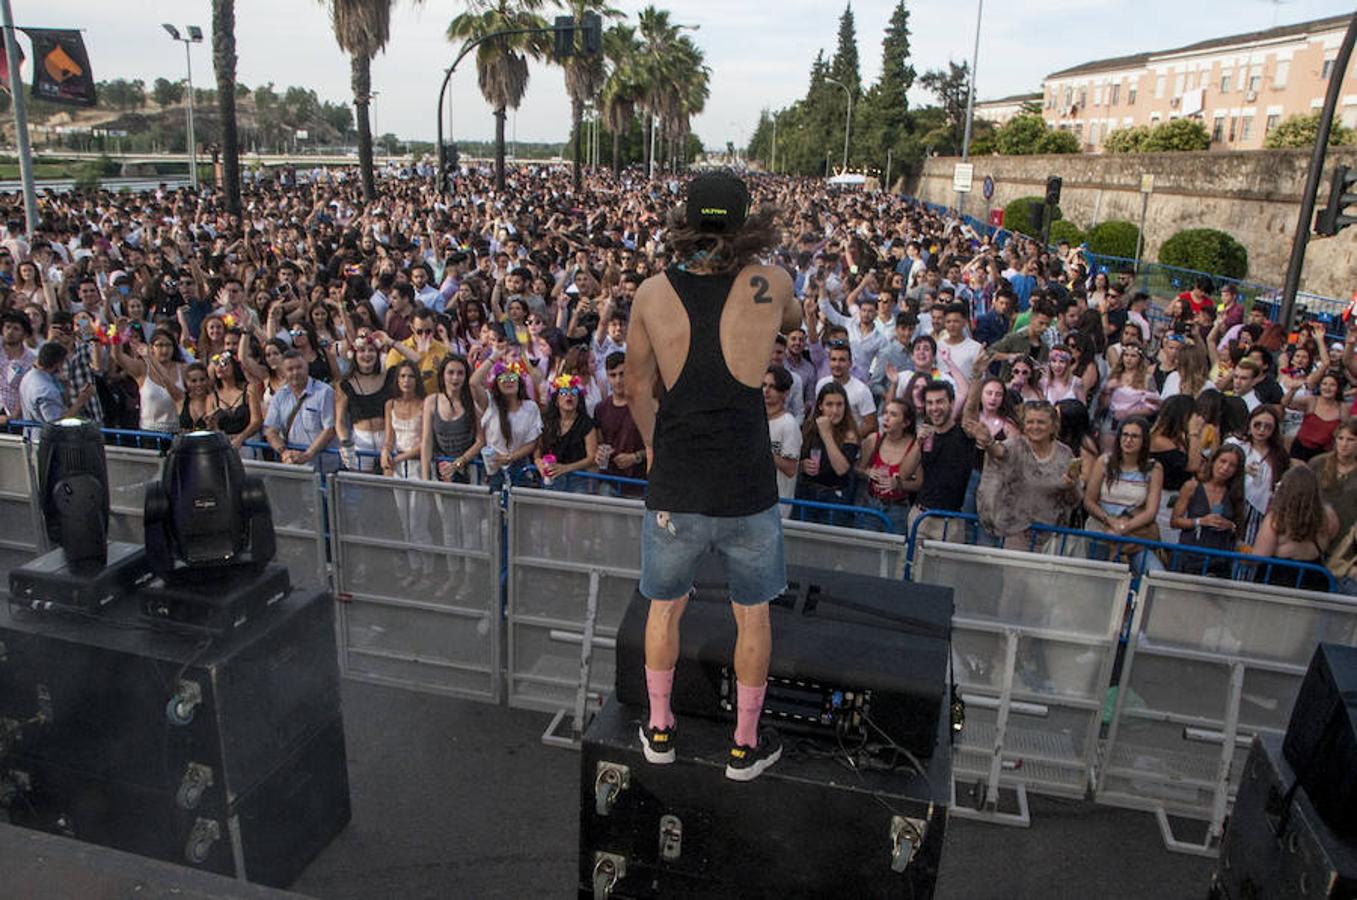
{"x": 1240, "y": 87}
{"x": 1001, "y": 110}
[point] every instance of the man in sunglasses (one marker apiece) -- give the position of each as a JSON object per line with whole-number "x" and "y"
{"x": 424, "y": 343}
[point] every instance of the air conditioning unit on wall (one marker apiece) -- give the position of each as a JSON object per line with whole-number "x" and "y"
{"x": 1251, "y": 96}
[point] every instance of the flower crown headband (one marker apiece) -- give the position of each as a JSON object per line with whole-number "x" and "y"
{"x": 514, "y": 368}
{"x": 567, "y": 383}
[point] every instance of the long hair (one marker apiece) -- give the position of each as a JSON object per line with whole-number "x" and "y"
{"x": 392, "y": 385}
{"x": 502, "y": 409}
{"x": 551, "y": 419}
{"x": 844, "y": 433}
{"x": 1008, "y": 409}
{"x": 1139, "y": 375}
{"x": 1194, "y": 367}
{"x": 1276, "y": 450}
{"x": 1173, "y": 418}
{"x": 1234, "y": 489}
{"x": 464, "y": 393}
{"x": 1115, "y": 460}
{"x": 1297, "y": 507}
{"x": 1074, "y": 424}
{"x": 724, "y": 253}
{"x": 1328, "y": 470}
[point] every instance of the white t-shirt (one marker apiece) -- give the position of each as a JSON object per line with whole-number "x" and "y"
{"x": 786, "y": 437}
{"x": 525, "y": 422}
{"x": 963, "y": 354}
{"x": 860, "y": 399}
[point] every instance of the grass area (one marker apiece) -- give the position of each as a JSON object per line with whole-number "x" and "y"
{"x": 9, "y": 171}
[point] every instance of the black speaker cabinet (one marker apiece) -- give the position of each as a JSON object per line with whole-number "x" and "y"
{"x": 808, "y": 827}
{"x": 1321, "y": 738}
{"x": 1274, "y": 848}
{"x": 223, "y": 753}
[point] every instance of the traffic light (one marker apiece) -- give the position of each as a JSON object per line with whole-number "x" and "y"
{"x": 1053, "y": 190}
{"x": 565, "y": 36}
{"x": 1330, "y": 220}
{"x": 592, "y": 26}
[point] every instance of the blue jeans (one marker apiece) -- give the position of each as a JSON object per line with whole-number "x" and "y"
{"x": 672, "y": 544}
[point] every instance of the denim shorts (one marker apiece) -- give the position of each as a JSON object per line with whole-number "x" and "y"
{"x": 672, "y": 545}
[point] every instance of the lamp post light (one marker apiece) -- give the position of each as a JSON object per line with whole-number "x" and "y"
{"x": 848, "y": 121}
{"x": 195, "y": 36}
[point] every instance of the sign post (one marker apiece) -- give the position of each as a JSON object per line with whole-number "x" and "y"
{"x": 962, "y": 177}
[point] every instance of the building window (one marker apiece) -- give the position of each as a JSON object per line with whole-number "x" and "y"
{"x": 1324, "y": 72}
{"x": 1246, "y": 128}
{"x": 1218, "y": 129}
{"x": 1271, "y": 123}
{"x": 1069, "y": 96}
{"x": 1178, "y": 81}
{"x": 1234, "y": 123}
{"x": 1279, "y": 75}
{"x": 1255, "y": 78}
{"x": 1225, "y": 82}
{"x": 1131, "y": 94}
{"x": 1159, "y": 87}
{"x": 1083, "y": 97}
{"x": 1097, "y": 95}
{"x": 1116, "y": 95}
{"x": 1079, "y": 132}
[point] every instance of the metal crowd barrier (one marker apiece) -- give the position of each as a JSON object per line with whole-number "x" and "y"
{"x": 416, "y": 564}
{"x": 1210, "y": 664}
{"x": 21, "y": 535}
{"x": 1034, "y": 639}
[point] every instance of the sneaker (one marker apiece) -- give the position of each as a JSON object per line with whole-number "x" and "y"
{"x": 748, "y": 763}
{"x": 658, "y": 745}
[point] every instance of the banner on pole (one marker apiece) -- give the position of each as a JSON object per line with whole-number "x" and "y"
{"x": 4, "y": 65}
{"x": 61, "y": 68}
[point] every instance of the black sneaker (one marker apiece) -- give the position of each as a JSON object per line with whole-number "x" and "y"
{"x": 658, "y": 745}
{"x": 748, "y": 763}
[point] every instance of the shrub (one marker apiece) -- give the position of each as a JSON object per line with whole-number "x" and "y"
{"x": 1177, "y": 134}
{"x": 1015, "y": 214}
{"x": 1301, "y": 130}
{"x": 1113, "y": 238}
{"x": 1056, "y": 140}
{"x": 1206, "y": 250}
{"x": 1127, "y": 140}
{"x": 1062, "y": 230}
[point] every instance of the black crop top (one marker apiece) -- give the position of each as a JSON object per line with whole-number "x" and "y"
{"x": 365, "y": 406}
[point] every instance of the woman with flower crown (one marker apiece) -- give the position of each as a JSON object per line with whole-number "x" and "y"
{"x": 511, "y": 421}
{"x": 569, "y": 440}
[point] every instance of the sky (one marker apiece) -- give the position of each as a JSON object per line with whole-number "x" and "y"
{"x": 760, "y": 56}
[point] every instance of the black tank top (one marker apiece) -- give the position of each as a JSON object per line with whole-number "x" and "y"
{"x": 713, "y": 455}
{"x": 364, "y": 406}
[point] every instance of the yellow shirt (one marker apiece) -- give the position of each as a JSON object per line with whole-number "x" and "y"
{"x": 428, "y": 361}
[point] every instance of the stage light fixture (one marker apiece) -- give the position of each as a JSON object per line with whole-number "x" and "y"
{"x": 73, "y": 487}
{"x": 206, "y": 517}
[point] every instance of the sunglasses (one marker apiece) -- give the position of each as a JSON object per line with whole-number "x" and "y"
{"x": 424, "y": 331}
{"x": 507, "y": 376}
{"x": 838, "y": 344}
{"x": 567, "y": 392}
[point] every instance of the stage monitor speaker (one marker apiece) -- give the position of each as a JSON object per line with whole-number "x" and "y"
{"x": 1321, "y": 739}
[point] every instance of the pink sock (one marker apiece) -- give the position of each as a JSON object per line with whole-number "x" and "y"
{"x": 659, "y": 685}
{"x": 749, "y": 703}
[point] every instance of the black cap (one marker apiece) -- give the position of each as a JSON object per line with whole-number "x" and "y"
{"x": 717, "y": 203}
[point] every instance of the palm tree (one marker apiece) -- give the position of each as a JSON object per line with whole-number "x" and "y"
{"x": 623, "y": 88}
{"x": 224, "y": 65}
{"x": 584, "y": 75}
{"x": 502, "y": 62}
{"x": 691, "y": 88}
{"x": 676, "y": 83}
{"x": 362, "y": 28}
{"x": 658, "y": 35}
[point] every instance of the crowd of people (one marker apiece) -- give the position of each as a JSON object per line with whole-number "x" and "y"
{"x": 475, "y": 335}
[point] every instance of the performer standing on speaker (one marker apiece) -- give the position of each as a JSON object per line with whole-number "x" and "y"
{"x": 702, "y": 330}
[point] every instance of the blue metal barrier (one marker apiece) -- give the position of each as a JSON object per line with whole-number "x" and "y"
{"x": 1115, "y": 548}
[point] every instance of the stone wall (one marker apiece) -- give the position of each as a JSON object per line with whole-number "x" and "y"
{"x": 1253, "y": 195}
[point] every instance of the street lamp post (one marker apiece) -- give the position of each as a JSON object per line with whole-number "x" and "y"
{"x": 970, "y": 99}
{"x": 848, "y": 121}
{"x": 195, "y": 36}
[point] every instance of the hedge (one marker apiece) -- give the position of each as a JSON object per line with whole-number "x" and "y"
{"x": 1206, "y": 250}
{"x": 1115, "y": 237}
{"x": 1062, "y": 230}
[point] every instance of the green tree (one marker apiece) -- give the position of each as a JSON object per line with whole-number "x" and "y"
{"x": 844, "y": 64}
{"x": 1176, "y": 135}
{"x": 1206, "y": 250}
{"x": 338, "y": 116}
{"x": 584, "y": 74}
{"x": 1062, "y": 230}
{"x": 362, "y": 28}
{"x": 883, "y": 125}
{"x": 1057, "y": 140}
{"x": 1018, "y": 216}
{"x": 950, "y": 86}
{"x": 167, "y": 93}
{"x": 1020, "y": 135}
{"x": 501, "y": 62}
{"x": 1127, "y": 140}
{"x": 675, "y": 81}
{"x": 1302, "y": 130}
{"x": 623, "y": 88}
{"x": 228, "y": 91}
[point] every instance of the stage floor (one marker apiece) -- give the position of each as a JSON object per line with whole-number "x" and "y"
{"x": 453, "y": 798}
